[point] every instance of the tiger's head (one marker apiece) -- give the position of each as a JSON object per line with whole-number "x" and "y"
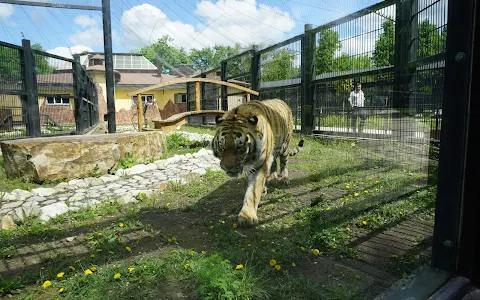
{"x": 238, "y": 138}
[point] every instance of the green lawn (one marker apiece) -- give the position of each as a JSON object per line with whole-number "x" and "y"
{"x": 184, "y": 243}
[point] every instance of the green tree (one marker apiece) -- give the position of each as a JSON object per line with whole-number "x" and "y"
{"x": 430, "y": 40}
{"x": 345, "y": 62}
{"x": 328, "y": 44}
{"x": 211, "y": 57}
{"x": 384, "y": 46}
{"x": 41, "y": 61}
{"x": 280, "y": 66}
{"x": 167, "y": 52}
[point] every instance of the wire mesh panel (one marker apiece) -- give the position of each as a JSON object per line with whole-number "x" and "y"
{"x": 12, "y": 117}
{"x": 292, "y": 96}
{"x": 55, "y": 87}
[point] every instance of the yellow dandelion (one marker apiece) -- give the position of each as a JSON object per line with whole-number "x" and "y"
{"x": 355, "y": 194}
{"x": 404, "y": 274}
{"x": 348, "y": 229}
{"x": 364, "y": 222}
{"x": 99, "y": 250}
{"x": 60, "y": 275}
{"x": 93, "y": 269}
{"x": 92, "y": 255}
{"x": 235, "y": 225}
{"x": 273, "y": 250}
{"x": 328, "y": 208}
{"x": 99, "y": 234}
{"x": 302, "y": 248}
{"x": 249, "y": 245}
{"x": 315, "y": 252}
{"x": 88, "y": 272}
{"x": 191, "y": 253}
{"x": 394, "y": 256}
{"x": 117, "y": 275}
{"x": 121, "y": 225}
{"x": 203, "y": 252}
{"x": 45, "y": 229}
{"x": 277, "y": 267}
{"x": 346, "y": 198}
{"x": 239, "y": 267}
{"x": 186, "y": 266}
{"x": 350, "y": 208}
{"x": 145, "y": 267}
{"x": 377, "y": 182}
{"x": 377, "y": 189}
{"x": 211, "y": 227}
{"x": 168, "y": 204}
{"x": 378, "y": 218}
{"x": 294, "y": 264}
{"x": 77, "y": 261}
{"x": 173, "y": 251}
{"x": 128, "y": 249}
{"x": 272, "y": 262}
{"x": 61, "y": 290}
{"x": 111, "y": 252}
{"x": 46, "y": 284}
{"x": 131, "y": 270}
{"x": 357, "y": 276}
{"x": 365, "y": 191}
{"x": 222, "y": 221}
{"x": 347, "y": 187}
{"x": 72, "y": 268}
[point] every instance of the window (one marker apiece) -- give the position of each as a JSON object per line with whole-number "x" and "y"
{"x": 146, "y": 99}
{"x": 57, "y": 100}
{"x": 180, "y": 98}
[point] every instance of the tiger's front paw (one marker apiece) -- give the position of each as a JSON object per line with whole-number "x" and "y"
{"x": 284, "y": 180}
{"x": 272, "y": 178}
{"x": 247, "y": 219}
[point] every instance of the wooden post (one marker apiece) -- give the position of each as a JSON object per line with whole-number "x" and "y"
{"x": 140, "y": 112}
{"x": 248, "y": 96}
{"x": 197, "y": 95}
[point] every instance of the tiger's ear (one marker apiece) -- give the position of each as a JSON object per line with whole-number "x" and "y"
{"x": 218, "y": 120}
{"x": 253, "y": 120}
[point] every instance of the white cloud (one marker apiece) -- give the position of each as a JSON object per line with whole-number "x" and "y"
{"x": 68, "y": 51}
{"x": 85, "y": 21}
{"x": 225, "y": 22}
{"x": 91, "y": 37}
{"x": 6, "y": 10}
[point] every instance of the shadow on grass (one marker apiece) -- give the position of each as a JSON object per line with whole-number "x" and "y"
{"x": 46, "y": 254}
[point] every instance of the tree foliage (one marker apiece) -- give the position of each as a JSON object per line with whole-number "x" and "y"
{"x": 211, "y": 57}
{"x": 10, "y": 66}
{"x": 169, "y": 53}
{"x": 328, "y": 44}
{"x": 41, "y": 61}
{"x": 280, "y": 66}
{"x": 384, "y": 46}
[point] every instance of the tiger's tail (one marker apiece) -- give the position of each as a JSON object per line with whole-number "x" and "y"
{"x": 297, "y": 149}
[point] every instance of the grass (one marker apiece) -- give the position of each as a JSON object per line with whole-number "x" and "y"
{"x": 185, "y": 243}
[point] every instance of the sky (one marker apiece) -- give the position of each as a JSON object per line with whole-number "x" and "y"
{"x": 191, "y": 23}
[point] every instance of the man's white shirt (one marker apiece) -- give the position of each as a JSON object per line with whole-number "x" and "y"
{"x": 357, "y": 98}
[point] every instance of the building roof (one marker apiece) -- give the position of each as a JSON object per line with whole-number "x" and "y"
{"x": 143, "y": 78}
{"x": 55, "y": 78}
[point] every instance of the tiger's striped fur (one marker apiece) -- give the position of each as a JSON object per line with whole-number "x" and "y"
{"x": 249, "y": 138}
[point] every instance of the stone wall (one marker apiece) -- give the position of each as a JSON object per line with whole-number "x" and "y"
{"x": 70, "y": 157}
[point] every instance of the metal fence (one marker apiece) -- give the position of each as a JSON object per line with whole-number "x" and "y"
{"x": 43, "y": 94}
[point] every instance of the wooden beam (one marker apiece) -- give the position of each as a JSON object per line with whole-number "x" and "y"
{"x": 50, "y": 4}
{"x": 197, "y": 95}
{"x": 185, "y": 80}
{"x": 140, "y": 112}
{"x": 248, "y": 97}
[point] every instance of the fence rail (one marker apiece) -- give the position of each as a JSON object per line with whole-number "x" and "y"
{"x": 43, "y": 94}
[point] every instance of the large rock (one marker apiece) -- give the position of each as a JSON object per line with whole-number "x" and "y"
{"x": 69, "y": 157}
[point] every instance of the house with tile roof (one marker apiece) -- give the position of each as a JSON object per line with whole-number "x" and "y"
{"x": 132, "y": 72}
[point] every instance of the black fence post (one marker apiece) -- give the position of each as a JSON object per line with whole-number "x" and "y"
{"x": 255, "y": 70}
{"x": 30, "y": 100}
{"x": 224, "y": 91}
{"x": 203, "y": 104}
{"x": 77, "y": 92}
{"x": 308, "y": 71}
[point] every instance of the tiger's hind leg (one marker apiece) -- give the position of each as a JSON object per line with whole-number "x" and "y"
{"x": 283, "y": 168}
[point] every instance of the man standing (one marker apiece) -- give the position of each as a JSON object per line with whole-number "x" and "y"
{"x": 357, "y": 101}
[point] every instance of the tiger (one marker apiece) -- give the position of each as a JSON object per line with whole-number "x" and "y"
{"x": 250, "y": 138}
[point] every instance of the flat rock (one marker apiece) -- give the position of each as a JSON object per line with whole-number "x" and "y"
{"x": 13, "y": 204}
{"x": 7, "y": 223}
{"x": 22, "y": 214}
{"x": 76, "y": 156}
{"x": 53, "y": 210}
{"x": 44, "y": 191}
{"x": 18, "y": 195}
{"x": 109, "y": 178}
{"x": 92, "y": 181}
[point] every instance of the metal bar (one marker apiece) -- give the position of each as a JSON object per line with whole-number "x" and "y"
{"x": 51, "y": 55}
{"x": 140, "y": 112}
{"x": 224, "y": 91}
{"x": 30, "y": 100}
{"x": 255, "y": 69}
{"x": 450, "y": 216}
{"x": 50, "y": 4}
{"x": 239, "y": 75}
{"x": 109, "y": 76}
{"x": 12, "y": 92}
{"x": 355, "y": 74}
{"x": 308, "y": 57}
{"x": 281, "y": 44}
{"x": 238, "y": 55}
{"x": 4, "y": 44}
{"x": 430, "y": 59}
{"x": 77, "y": 91}
{"x": 356, "y": 15}
{"x": 469, "y": 245}
{"x": 197, "y": 95}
